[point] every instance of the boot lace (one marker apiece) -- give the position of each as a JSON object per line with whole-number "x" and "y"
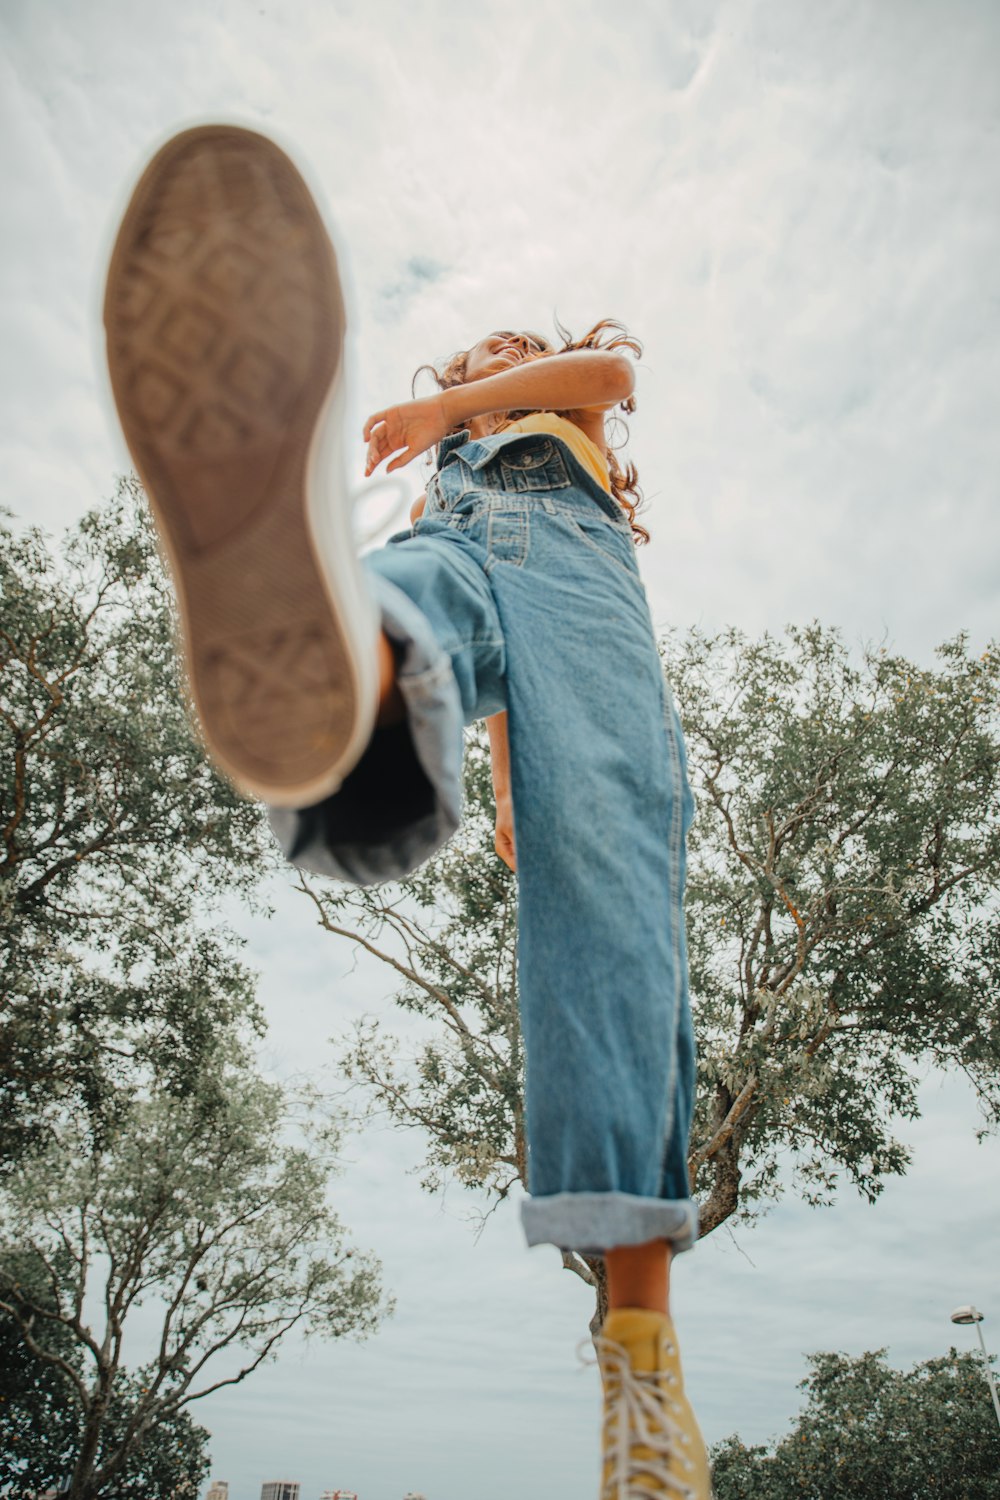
{"x": 635, "y": 1416}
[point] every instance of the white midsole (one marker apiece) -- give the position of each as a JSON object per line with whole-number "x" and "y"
{"x": 329, "y": 518}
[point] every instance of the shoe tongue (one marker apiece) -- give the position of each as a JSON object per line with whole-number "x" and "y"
{"x": 642, "y": 1332}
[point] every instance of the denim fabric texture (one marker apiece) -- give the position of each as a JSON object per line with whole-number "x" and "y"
{"x": 518, "y": 589}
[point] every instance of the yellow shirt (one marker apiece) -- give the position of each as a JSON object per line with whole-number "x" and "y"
{"x": 583, "y": 448}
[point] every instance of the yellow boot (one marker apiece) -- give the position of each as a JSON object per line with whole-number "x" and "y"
{"x": 653, "y": 1449}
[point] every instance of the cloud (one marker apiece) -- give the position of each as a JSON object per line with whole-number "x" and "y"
{"x": 417, "y": 274}
{"x": 797, "y": 213}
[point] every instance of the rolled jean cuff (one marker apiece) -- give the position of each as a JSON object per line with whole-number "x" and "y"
{"x": 592, "y": 1223}
{"x": 403, "y": 800}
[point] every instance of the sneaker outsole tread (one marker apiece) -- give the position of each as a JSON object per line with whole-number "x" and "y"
{"x": 225, "y": 331}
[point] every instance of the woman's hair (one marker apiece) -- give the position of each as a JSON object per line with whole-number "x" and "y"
{"x": 624, "y": 482}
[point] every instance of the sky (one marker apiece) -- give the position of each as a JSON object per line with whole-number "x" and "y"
{"x": 796, "y": 209}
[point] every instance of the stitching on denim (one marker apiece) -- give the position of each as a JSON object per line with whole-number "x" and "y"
{"x": 589, "y": 482}
{"x": 491, "y": 470}
{"x": 498, "y": 502}
{"x": 475, "y": 640}
{"x": 549, "y": 478}
{"x": 579, "y": 532}
{"x": 609, "y": 1216}
{"x": 618, "y": 523}
{"x": 492, "y": 562}
{"x": 456, "y": 520}
{"x": 545, "y": 451}
{"x": 516, "y": 534}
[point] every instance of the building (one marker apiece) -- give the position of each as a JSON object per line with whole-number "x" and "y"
{"x": 218, "y": 1490}
{"x": 280, "y": 1489}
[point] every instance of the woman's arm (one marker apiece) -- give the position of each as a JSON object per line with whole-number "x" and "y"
{"x": 500, "y": 758}
{"x": 583, "y": 379}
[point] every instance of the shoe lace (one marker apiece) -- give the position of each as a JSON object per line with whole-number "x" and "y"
{"x": 635, "y": 1416}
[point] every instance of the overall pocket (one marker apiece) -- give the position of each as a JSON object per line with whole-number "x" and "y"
{"x": 603, "y": 537}
{"x": 507, "y": 536}
{"x": 518, "y": 462}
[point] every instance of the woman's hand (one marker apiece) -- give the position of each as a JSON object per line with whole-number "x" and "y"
{"x": 503, "y": 795}
{"x": 413, "y": 427}
{"x": 504, "y": 842}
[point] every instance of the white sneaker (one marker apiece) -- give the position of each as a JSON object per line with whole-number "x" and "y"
{"x": 225, "y": 325}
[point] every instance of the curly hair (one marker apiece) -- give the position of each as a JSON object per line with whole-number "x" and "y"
{"x": 624, "y": 482}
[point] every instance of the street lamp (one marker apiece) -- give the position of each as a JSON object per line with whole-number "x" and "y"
{"x": 973, "y": 1315}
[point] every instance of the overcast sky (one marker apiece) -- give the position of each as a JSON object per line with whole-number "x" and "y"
{"x": 796, "y": 208}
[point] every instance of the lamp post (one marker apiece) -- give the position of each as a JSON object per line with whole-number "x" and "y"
{"x": 973, "y": 1315}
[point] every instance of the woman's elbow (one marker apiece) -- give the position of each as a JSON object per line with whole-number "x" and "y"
{"x": 620, "y": 376}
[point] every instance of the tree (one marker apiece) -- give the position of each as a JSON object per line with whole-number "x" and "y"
{"x": 869, "y": 1432}
{"x": 448, "y": 932}
{"x": 205, "y": 1207}
{"x": 843, "y": 922}
{"x": 842, "y": 925}
{"x": 38, "y": 1423}
{"x": 156, "y": 1165}
{"x": 170, "y": 1463}
{"x": 117, "y": 839}
{"x": 40, "y": 1419}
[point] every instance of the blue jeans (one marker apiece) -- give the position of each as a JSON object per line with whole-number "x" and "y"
{"x": 518, "y": 589}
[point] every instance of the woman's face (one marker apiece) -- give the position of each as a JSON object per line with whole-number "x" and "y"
{"x": 497, "y": 352}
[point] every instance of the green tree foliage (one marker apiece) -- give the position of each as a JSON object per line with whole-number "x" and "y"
{"x": 145, "y": 1162}
{"x": 869, "y": 1432}
{"x": 842, "y": 918}
{"x": 41, "y": 1420}
{"x": 117, "y": 839}
{"x": 207, "y": 1209}
{"x": 39, "y": 1423}
{"x": 448, "y": 933}
{"x": 843, "y": 921}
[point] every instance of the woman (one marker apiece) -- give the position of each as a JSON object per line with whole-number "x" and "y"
{"x": 337, "y": 689}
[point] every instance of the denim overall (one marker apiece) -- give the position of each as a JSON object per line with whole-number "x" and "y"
{"x": 518, "y": 589}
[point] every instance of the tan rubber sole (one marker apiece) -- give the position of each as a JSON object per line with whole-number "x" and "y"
{"x": 225, "y": 330}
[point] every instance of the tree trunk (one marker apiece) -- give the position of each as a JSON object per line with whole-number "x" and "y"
{"x": 724, "y": 1198}
{"x": 597, "y": 1268}
{"x": 81, "y": 1485}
